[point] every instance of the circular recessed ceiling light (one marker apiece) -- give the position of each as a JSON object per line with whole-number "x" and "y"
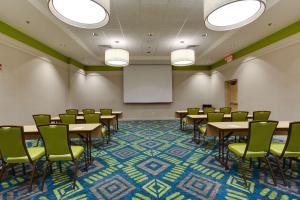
{"x": 87, "y": 14}
{"x": 183, "y": 57}
{"x": 222, "y": 15}
{"x": 116, "y": 57}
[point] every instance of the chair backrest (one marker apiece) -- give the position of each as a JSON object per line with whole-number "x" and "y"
{"x": 215, "y": 117}
{"x": 239, "y": 116}
{"x": 72, "y": 111}
{"x": 292, "y": 147}
{"x": 42, "y": 119}
{"x": 260, "y": 136}
{"x": 67, "y": 118}
{"x": 56, "y": 139}
{"x": 92, "y": 118}
{"x": 193, "y": 111}
{"x": 88, "y": 111}
{"x": 208, "y": 110}
{"x": 106, "y": 111}
{"x": 260, "y": 116}
{"x": 226, "y": 110}
{"x": 12, "y": 143}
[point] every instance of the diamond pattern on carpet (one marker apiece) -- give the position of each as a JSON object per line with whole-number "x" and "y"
{"x": 151, "y": 160}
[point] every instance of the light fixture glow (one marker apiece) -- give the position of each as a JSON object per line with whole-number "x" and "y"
{"x": 116, "y": 57}
{"x": 222, "y": 15}
{"x": 87, "y": 14}
{"x": 183, "y": 57}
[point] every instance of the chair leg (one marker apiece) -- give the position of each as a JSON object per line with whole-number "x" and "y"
{"x": 259, "y": 163}
{"x": 75, "y": 173}
{"x": 242, "y": 170}
{"x": 60, "y": 166}
{"x": 33, "y": 165}
{"x": 284, "y": 163}
{"x": 271, "y": 170}
{"x": 37, "y": 143}
{"x": 291, "y": 164}
{"x": 24, "y": 169}
{"x": 250, "y": 163}
{"x": 45, "y": 174}
{"x": 3, "y": 170}
{"x": 13, "y": 170}
{"x": 227, "y": 157}
{"x": 281, "y": 171}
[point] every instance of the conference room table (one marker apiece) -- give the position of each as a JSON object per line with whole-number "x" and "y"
{"x": 183, "y": 113}
{"x": 197, "y": 119}
{"x": 105, "y": 119}
{"x": 223, "y": 129}
{"x": 88, "y": 130}
{"x": 118, "y": 114}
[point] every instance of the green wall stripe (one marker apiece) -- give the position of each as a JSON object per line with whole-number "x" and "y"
{"x": 26, "y": 39}
{"x": 275, "y": 37}
{"x": 102, "y": 68}
{"x": 193, "y": 68}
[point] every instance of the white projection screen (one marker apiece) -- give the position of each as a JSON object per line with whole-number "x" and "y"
{"x": 147, "y": 84}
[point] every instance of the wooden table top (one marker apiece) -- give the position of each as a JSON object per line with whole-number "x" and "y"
{"x": 234, "y": 126}
{"x": 56, "y": 118}
{"x": 204, "y": 116}
{"x": 72, "y": 128}
{"x": 98, "y": 112}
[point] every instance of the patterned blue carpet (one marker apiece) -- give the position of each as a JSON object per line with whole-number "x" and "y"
{"x": 152, "y": 160}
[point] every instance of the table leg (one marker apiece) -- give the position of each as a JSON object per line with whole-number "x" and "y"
{"x": 221, "y": 156}
{"x": 117, "y": 118}
{"x": 181, "y": 125}
{"x": 108, "y": 127}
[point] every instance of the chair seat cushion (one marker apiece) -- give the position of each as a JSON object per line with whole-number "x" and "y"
{"x": 35, "y": 154}
{"x": 277, "y": 149}
{"x": 239, "y": 150}
{"x": 77, "y": 151}
{"x": 202, "y": 129}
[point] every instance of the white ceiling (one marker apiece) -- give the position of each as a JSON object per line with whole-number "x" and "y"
{"x": 131, "y": 21}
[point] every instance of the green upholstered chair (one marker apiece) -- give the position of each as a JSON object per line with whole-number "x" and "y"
{"x": 225, "y": 110}
{"x": 72, "y": 111}
{"x": 67, "y": 118}
{"x": 95, "y": 119}
{"x": 88, "y": 111}
{"x": 208, "y": 110}
{"x": 58, "y": 147}
{"x": 258, "y": 145}
{"x": 291, "y": 148}
{"x": 106, "y": 111}
{"x": 190, "y": 111}
{"x": 211, "y": 117}
{"x": 41, "y": 119}
{"x": 239, "y": 116}
{"x": 261, "y": 115}
{"x": 14, "y": 151}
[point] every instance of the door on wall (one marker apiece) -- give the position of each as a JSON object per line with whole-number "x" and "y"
{"x": 231, "y": 94}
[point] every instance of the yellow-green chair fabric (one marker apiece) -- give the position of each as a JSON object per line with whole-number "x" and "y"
{"x": 211, "y": 117}
{"x": 72, "y": 111}
{"x": 67, "y": 118}
{"x": 58, "y": 147}
{"x": 289, "y": 149}
{"x": 208, "y": 110}
{"x": 106, "y": 111}
{"x": 41, "y": 119}
{"x": 258, "y": 145}
{"x": 260, "y": 116}
{"x": 226, "y": 110}
{"x": 239, "y": 116}
{"x": 95, "y": 119}
{"x": 88, "y": 111}
{"x": 190, "y": 111}
{"x": 14, "y": 151}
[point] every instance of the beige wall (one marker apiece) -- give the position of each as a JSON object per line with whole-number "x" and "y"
{"x": 29, "y": 85}
{"x": 105, "y": 89}
{"x": 265, "y": 82}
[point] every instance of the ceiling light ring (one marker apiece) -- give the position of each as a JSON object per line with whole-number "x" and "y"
{"x": 183, "y": 57}
{"x": 68, "y": 21}
{"x": 117, "y": 57}
{"x": 255, "y": 16}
